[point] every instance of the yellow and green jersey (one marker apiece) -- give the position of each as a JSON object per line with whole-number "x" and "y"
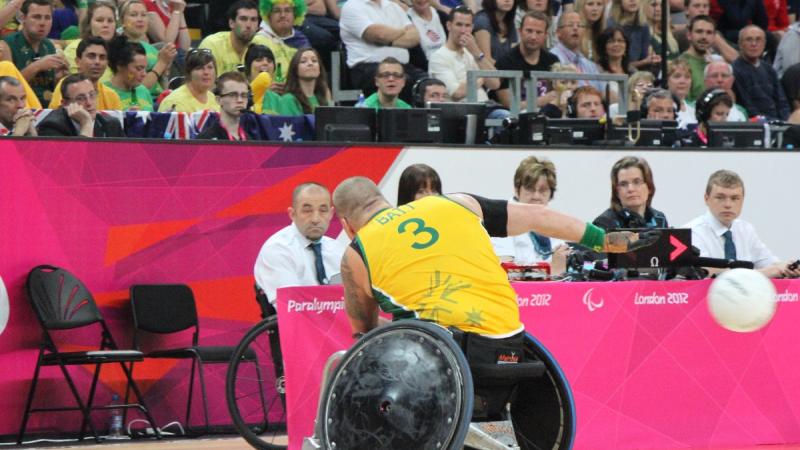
{"x": 432, "y": 259}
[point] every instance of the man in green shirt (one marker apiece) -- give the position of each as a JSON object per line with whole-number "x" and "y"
{"x": 701, "y": 37}
{"x": 33, "y": 53}
{"x": 390, "y": 80}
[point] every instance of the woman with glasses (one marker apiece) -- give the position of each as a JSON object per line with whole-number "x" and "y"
{"x": 306, "y": 85}
{"x": 612, "y": 51}
{"x": 128, "y": 62}
{"x": 101, "y": 21}
{"x": 259, "y": 60}
{"x": 534, "y": 183}
{"x": 632, "y": 191}
{"x": 195, "y": 94}
{"x": 133, "y": 15}
{"x": 232, "y": 92}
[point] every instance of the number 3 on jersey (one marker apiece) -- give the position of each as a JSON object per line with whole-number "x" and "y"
{"x": 420, "y": 228}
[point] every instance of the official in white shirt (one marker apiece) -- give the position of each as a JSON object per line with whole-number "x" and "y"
{"x": 719, "y": 233}
{"x": 301, "y": 254}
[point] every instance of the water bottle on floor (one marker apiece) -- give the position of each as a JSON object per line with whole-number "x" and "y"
{"x": 115, "y": 419}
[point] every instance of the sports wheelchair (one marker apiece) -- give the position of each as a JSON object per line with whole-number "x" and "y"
{"x": 409, "y": 385}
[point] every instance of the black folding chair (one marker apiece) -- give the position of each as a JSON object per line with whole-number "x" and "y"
{"x": 61, "y": 302}
{"x": 170, "y": 308}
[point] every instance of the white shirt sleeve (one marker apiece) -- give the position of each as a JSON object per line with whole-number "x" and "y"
{"x": 353, "y": 20}
{"x": 276, "y": 268}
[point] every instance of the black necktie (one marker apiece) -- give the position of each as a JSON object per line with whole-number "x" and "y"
{"x": 730, "y": 249}
{"x": 316, "y": 247}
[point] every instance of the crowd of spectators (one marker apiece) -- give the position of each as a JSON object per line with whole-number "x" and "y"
{"x": 139, "y": 55}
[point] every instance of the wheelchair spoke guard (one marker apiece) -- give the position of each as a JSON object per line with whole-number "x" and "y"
{"x": 406, "y": 385}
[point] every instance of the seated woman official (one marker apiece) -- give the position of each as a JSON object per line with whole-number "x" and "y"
{"x": 418, "y": 181}
{"x": 632, "y": 191}
{"x": 306, "y": 85}
{"x": 534, "y": 183}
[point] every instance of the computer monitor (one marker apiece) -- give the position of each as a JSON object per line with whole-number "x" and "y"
{"x": 344, "y": 124}
{"x": 651, "y": 133}
{"x": 673, "y": 249}
{"x": 456, "y": 117}
{"x": 735, "y": 135}
{"x": 418, "y": 125}
{"x": 574, "y": 131}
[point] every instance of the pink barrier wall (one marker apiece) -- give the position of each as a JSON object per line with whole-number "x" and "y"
{"x": 648, "y": 366}
{"x": 121, "y": 213}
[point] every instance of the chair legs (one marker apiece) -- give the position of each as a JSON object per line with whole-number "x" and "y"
{"x": 197, "y": 364}
{"x": 29, "y": 401}
{"x": 140, "y": 399}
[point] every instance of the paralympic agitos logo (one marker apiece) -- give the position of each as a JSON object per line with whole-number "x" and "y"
{"x": 591, "y": 304}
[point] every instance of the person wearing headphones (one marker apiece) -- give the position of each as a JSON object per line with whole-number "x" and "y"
{"x": 632, "y": 192}
{"x": 659, "y": 104}
{"x": 232, "y": 93}
{"x": 429, "y": 90}
{"x": 713, "y": 105}
{"x": 586, "y": 103}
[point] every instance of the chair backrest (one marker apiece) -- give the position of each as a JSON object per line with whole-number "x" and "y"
{"x": 59, "y": 299}
{"x": 341, "y": 89}
{"x": 163, "y": 308}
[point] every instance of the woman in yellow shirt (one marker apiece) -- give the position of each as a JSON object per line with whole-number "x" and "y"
{"x": 195, "y": 94}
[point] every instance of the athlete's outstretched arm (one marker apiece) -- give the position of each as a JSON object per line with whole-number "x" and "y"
{"x": 361, "y": 307}
{"x": 521, "y": 218}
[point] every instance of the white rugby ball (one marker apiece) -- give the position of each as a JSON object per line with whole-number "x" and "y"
{"x": 742, "y": 300}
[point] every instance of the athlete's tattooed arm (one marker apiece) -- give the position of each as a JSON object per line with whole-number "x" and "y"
{"x": 361, "y": 307}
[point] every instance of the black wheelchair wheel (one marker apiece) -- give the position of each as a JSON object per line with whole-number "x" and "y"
{"x": 254, "y": 388}
{"x": 544, "y": 409}
{"x": 406, "y": 385}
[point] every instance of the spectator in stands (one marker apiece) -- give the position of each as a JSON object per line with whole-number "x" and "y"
{"x": 78, "y": 114}
{"x": 733, "y": 15}
{"x": 279, "y": 19}
{"x": 652, "y": 11}
{"x": 133, "y": 15}
{"x": 306, "y": 85}
{"x": 429, "y": 26}
{"x": 632, "y": 192}
{"x": 593, "y": 17}
{"x": 700, "y": 35}
{"x": 714, "y": 105}
{"x": 788, "y": 53}
{"x": 195, "y": 94}
{"x": 495, "y": 33}
{"x": 430, "y": 90}
{"x": 719, "y": 74}
{"x": 100, "y": 21}
{"x": 568, "y": 47}
{"x": 638, "y": 85}
{"x": 33, "y": 54}
{"x": 612, "y": 51}
{"x": 373, "y": 30}
{"x": 128, "y": 62}
{"x": 66, "y": 20}
{"x": 558, "y": 97}
{"x": 418, "y": 181}
{"x": 8, "y": 69}
{"x": 720, "y": 233}
{"x": 679, "y": 83}
{"x": 266, "y": 91}
{"x": 321, "y": 27}
{"x": 461, "y": 54}
{"x": 92, "y": 61}
{"x": 529, "y": 55}
{"x": 534, "y": 183}
{"x": 629, "y": 14}
{"x": 15, "y": 118}
{"x": 692, "y": 9}
{"x": 8, "y": 13}
{"x": 586, "y": 103}
{"x": 757, "y": 86}
{"x": 229, "y": 47}
{"x": 166, "y": 23}
{"x": 300, "y": 254}
{"x": 232, "y": 92}
{"x": 659, "y": 104}
{"x": 777, "y": 17}
{"x": 390, "y": 80}
{"x": 791, "y": 85}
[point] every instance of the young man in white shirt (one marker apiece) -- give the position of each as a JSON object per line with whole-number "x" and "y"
{"x": 721, "y": 234}
{"x": 292, "y": 256}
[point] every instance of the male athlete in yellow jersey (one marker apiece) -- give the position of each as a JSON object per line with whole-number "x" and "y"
{"x": 432, "y": 259}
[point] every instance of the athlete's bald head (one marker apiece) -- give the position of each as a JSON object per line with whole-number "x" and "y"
{"x": 356, "y": 199}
